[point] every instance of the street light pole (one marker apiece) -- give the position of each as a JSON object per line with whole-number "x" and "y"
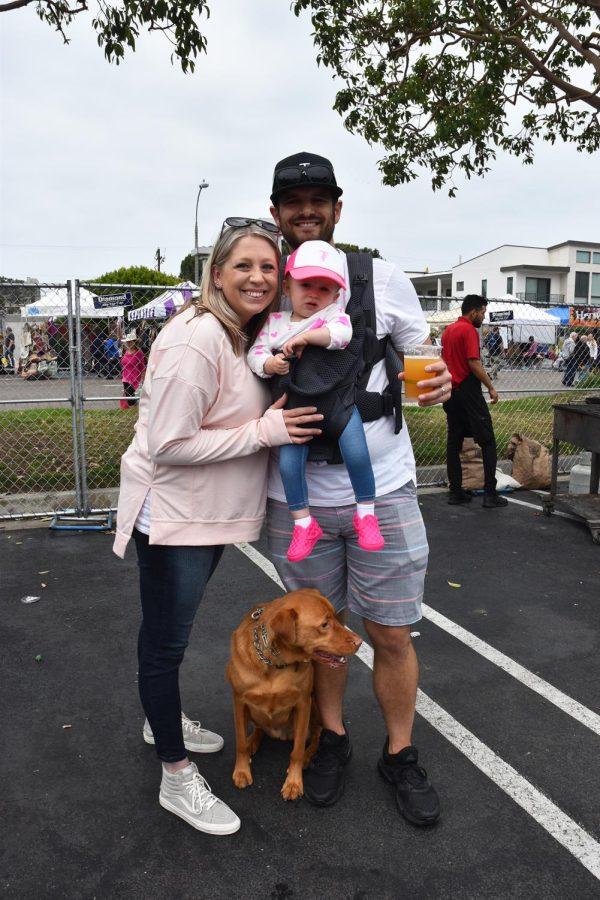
{"x": 203, "y": 184}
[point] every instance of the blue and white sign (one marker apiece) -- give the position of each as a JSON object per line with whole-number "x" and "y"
{"x": 113, "y": 300}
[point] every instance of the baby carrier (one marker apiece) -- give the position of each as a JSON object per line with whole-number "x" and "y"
{"x": 335, "y": 381}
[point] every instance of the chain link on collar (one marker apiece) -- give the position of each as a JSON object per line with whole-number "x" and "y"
{"x": 260, "y": 631}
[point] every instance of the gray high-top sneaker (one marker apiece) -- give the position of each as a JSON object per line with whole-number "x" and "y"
{"x": 195, "y": 738}
{"x": 187, "y": 794}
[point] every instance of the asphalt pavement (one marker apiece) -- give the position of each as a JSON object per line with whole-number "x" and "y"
{"x": 508, "y": 729}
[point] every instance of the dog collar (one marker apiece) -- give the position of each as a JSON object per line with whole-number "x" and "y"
{"x": 261, "y": 636}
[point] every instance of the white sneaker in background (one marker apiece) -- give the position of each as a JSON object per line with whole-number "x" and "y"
{"x": 187, "y": 794}
{"x": 195, "y": 738}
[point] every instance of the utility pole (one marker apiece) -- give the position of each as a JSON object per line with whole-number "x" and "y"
{"x": 159, "y": 259}
{"x": 203, "y": 184}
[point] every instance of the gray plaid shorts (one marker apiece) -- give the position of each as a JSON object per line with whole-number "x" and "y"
{"x": 385, "y": 586}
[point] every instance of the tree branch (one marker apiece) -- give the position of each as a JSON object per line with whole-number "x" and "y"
{"x": 16, "y": 4}
{"x": 564, "y": 33}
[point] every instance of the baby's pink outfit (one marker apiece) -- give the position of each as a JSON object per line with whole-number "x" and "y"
{"x": 279, "y": 328}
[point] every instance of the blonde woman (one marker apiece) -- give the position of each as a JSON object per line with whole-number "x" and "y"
{"x": 194, "y": 479}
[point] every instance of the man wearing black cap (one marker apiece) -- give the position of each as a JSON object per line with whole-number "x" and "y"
{"x": 384, "y": 588}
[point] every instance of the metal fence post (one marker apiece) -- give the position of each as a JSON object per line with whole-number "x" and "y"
{"x": 85, "y": 503}
{"x": 74, "y": 400}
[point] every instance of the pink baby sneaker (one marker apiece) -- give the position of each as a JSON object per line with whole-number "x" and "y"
{"x": 369, "y": 535}
{"x": 303, "y": 541}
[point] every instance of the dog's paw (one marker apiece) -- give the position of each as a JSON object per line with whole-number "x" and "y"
{"x": 292, "y": 789}
{"x": 242, "y": 778}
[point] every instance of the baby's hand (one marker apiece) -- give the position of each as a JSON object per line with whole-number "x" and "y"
{"x": 277, "y": 365}
{"x": 295, "y": 346}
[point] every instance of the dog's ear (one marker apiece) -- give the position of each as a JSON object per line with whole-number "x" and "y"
{"x": 283, "y": 624}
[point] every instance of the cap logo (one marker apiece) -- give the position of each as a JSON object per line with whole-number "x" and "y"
{"x": 303, "y": 165}
{"x": 324, "y": 255}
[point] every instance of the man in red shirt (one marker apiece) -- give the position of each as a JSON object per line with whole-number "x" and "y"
{"x": 466, "y": 410}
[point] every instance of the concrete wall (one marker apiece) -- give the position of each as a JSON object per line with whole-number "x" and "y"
{"x": 488, "y": 266}
{"x": 580, "y": 267}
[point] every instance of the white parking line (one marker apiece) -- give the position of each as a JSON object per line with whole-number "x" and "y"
{"x": 557, "y": 823}
{"x": 557, "y": 512}
{"x": 546, "y": 690}
{"x": 553, "y": 820}
{"x": 567, "y": 704}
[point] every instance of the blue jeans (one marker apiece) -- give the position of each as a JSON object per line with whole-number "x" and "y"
{"x": 355, "y": 453}
{"x": 172, "y": 581}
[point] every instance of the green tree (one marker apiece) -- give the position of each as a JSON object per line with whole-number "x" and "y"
{"x": 130, "y": 276}
{"x": 444, "y": 84}
{"x": 345, "y": 248}
{"x": 186, "y": 270}
{"x": 135, "y": 275}
{"x": 118, "y": 25}
{"x": 354, "y": 248}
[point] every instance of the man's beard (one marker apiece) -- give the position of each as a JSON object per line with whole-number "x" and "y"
{"x": 326, "y": 235}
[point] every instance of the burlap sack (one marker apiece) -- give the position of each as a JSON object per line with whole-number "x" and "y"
{"x": 532, "y": 462}
{"x": 471, "y": 463}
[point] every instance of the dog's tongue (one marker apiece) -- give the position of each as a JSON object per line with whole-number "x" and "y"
{"x": 328, "y": 659}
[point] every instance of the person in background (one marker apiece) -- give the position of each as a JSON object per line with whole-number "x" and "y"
{"x": 466, "y": 410}
{"x": 495, "y": 343}
{"x": 52, "y": 331}
{"x": 578, "y": 357}
{"x": 593, "y": 348}
{"x": 581, "y": 359}
{"x": 9, "y": 347}
{"x": 40, "y": 340}
{"x": 133, "y": 366}
{"x": 110, "y": 349}
{"x": 193, "y": 480}
{"x": 567, "y": 349}
{"x": 530, "y": 356}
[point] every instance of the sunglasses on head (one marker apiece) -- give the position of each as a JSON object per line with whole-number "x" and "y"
{"x": 292, "y": 176}
{"x": 242, "y": 222}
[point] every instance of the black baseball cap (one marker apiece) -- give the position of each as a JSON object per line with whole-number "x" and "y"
{"x": 304, "y": 170}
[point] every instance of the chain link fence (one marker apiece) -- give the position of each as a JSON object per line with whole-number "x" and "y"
{"x": 65, "y": 419}
{"x": 73, "y": 357}
{"x": 39, "y": 467}
{"x": 523, "y": 349}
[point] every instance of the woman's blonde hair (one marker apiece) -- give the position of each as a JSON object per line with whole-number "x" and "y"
{"x": 213, "y": 300}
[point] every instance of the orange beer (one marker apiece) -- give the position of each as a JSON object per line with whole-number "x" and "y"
{"x": 415, "y": 360}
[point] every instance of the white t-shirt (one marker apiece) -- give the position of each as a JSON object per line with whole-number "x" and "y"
{"x": 399, "y": 314}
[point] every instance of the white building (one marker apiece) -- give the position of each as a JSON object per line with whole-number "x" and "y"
{"x": 565, "y": 273}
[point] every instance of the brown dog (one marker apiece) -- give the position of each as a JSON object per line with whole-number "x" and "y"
{"x": 271, "y": 674}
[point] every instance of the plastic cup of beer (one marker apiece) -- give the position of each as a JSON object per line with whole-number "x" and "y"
{"x": 416, "y": 357}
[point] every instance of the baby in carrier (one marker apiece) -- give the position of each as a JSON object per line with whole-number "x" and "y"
{"x": 314, "y": 274}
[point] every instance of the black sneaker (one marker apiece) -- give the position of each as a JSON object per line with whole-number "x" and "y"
{"x": 459, "y": 498}
{"x": 494, "y": 501}
{"x": 416, "y": 797}
{"x": 325, "y": 776}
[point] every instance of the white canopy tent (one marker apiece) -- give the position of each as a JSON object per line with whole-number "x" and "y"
{"x": 53, "y": 303}
{"x": 165, "y": 304}
{"x": 443, "y": 317}
{"x": 526, "y": 321}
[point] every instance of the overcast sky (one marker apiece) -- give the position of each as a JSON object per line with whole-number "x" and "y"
{"x": 100, "y": 163}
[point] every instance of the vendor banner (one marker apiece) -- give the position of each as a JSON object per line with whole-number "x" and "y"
{"x": 113, "y": 300}
{"x": 506, "y": 315}
{"x": 584, "y": 316}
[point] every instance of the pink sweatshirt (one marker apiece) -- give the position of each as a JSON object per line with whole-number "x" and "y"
{"x": 133, "y": 366}
{"x": 201, "y": 441}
